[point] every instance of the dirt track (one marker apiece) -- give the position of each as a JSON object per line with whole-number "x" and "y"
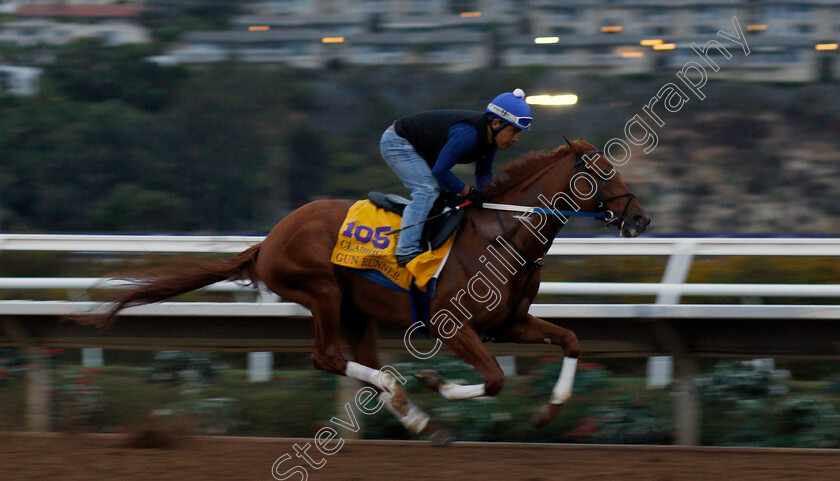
{"x": 71, "y": 458}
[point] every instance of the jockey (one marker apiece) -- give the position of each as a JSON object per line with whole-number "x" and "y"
{"x": 422, "y": 149}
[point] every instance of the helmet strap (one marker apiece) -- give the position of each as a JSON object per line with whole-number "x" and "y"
{"x": 494, "y": 131}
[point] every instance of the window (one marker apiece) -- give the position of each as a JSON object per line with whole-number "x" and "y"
{"x": 787, "y": 10}
{"x": 558, "y": 11}
{"x": 796, "y": 29}
{"x": 656, "y": 31}
{"x": 655, "y": 15}
{"x": 708, "y": 12}
{"x": 458, "y": 6}
{"x": 563, "y": 31}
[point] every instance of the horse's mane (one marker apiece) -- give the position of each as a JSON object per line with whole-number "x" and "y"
{"x": 529, "y": 164}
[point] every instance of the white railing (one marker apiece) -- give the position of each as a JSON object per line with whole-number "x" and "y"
{"x": 680, "y": 252}
{"x": 600, "y": 246}
{"x": 549, "y": 288}
{"x": 701, "y": 246}
{"x": 74, "y": 283}
{"x": 126, "y": 243}
{"x": 546, "y": 311}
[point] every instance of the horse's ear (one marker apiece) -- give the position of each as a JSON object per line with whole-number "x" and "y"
{"x": 569, "y": 142}
{"x": 585, "y": 143}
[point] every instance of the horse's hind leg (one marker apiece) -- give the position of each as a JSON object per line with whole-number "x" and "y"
{"x": 360, "y": 333}
{"x": 361, "y": 336}
{"x": 326, "y": 316}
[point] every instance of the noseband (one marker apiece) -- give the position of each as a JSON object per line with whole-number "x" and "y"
{"x": 609, "y": 215}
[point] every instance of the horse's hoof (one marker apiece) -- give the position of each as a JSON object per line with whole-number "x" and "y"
{"x": 545, "y": 414}
{"x": 442, "y": 437}
{"x": 431, "y": 379}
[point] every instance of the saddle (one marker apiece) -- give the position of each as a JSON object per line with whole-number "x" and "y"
{"x": 435, "y": 231}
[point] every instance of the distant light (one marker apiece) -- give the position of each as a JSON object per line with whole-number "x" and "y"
{"x": 826, "y": 46}
{"x": 546, "y": 39}
{"x": 631, "y": 54}
{"x": 567, "y": 99}
{"x": 756, "y": 28}
{"x": 470, "y": 14}
{"x": 651, "y": 42}
{"x": 665, "y": 46}
{"x": 332, "y": 39}
{"x": 258, "y": 28}
{"x": 612, "y": 29}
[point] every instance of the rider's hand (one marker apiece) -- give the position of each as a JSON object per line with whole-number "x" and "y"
{"x": 476, "y": 196}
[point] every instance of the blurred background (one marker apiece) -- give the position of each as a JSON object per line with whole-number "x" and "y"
{"x": 221, "y": 117}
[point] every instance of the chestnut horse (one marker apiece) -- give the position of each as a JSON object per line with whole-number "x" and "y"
{"x": 484, "y": 291}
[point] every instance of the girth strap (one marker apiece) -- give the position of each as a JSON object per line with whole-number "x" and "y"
{"x": 532, "y": 264}
{"x": 506, "y": 236}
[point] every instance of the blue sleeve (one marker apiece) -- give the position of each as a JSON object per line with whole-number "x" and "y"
{"x": 463, "y": 139}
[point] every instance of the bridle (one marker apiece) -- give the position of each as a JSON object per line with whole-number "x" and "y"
{"x": 609, "y": 215}
{"x": 603, "y": 213}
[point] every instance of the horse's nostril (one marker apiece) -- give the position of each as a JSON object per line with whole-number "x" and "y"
{"x": 641, "y": 220}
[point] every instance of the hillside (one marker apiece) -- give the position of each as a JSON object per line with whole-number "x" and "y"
{"x": 111, "y": 145}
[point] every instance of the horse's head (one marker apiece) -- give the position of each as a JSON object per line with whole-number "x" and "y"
{"x": 602, "y": 189}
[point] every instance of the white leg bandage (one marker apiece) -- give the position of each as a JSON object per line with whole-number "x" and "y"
{"x": 563, "y": 389}
{"x": 376, "y": 377}
{"x": 457, "y": 391}
{"x": 415, "y": 421}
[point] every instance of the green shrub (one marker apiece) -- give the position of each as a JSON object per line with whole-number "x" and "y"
{"x": 623, "y": 421}
{"x": 807, "y": 423}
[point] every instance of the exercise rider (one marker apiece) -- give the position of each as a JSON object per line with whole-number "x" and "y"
{"x": 422, "y": 148}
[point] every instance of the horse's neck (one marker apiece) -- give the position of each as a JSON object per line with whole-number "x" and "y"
{"x": 543, "y": 184}
{"x": 535, "y": 239}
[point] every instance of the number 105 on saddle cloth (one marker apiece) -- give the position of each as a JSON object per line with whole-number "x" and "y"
{"x": 363, "y": 244}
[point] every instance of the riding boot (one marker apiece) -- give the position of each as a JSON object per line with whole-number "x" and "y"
{"x": 403, "y": 260}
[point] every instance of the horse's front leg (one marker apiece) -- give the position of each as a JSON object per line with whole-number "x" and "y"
{"x": 467, "y": 345}
{"x": 533, "y": 330}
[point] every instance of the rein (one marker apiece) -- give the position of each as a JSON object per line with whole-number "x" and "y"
{"x": 541, "y": 210}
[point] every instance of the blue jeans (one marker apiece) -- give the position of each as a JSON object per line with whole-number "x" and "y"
{"x": 417, "y": 176}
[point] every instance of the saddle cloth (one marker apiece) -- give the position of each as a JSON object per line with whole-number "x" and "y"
{"x": 363, "y": 244}
{"x": 442, "y": 221}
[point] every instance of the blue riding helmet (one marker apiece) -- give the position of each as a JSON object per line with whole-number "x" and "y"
{"x": 512, "y": 108}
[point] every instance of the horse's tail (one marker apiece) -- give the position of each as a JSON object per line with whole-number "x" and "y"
{"x": 169, "y": 282}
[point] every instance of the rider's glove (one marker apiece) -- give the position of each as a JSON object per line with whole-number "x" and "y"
{"x": 476, "y": 196}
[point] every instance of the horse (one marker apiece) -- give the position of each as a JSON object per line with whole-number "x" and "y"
{"x": 483, "y": 292}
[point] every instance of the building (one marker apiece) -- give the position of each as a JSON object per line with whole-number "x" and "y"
{"x": 790, "y": 41}
{"x": 78, "y": 11}
{"x": 62, "y": 23}
{"x": 34, "y": 32}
